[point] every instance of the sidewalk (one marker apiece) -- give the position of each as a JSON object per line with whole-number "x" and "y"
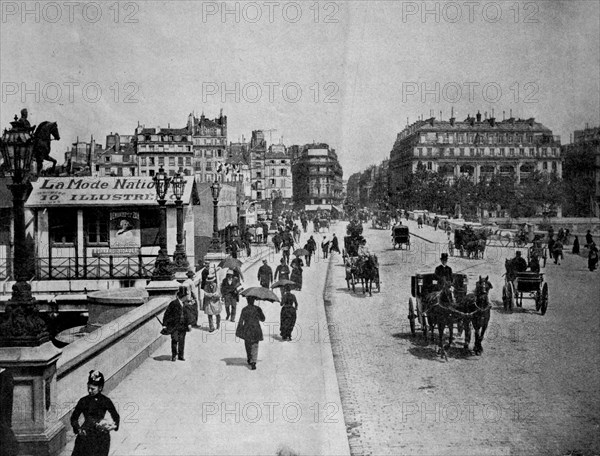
{"x": 213, "y": 404}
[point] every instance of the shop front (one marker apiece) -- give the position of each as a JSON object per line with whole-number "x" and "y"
{"x": 91, "y": 228}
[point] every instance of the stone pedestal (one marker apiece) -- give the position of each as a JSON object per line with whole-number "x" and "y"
{"x": 162, "y": 287}
{"x": 215, "y": 257}
{"x": 37, "y": 429}
{"x": 107, "y": 305}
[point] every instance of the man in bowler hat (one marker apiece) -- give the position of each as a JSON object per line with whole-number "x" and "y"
{"x": 178, "y": 322}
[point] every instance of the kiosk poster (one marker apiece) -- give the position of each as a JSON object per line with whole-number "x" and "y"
{"x": 125, "y": 231}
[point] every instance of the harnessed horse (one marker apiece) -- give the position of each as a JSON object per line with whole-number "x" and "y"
{"x": 478, "y": 306}
{"x": 41, "y": 144}
{"x": 367, "y": 273}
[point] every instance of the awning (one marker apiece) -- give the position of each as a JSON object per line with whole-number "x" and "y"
{"x": 337, "y": 208}
{"x": 100, "y": 191}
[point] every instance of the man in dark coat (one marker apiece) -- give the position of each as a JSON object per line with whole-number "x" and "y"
{"x": 310, "y": 247}
{"x": 518, "y": 263}
{"x": 265, "y": 275}
{"x": 289, "y": 306}
{"x": 592, "y": 257}
{"x": 230, "y": 288}
{"x": 335, "y": 247}
{"x": 589, "y": 240}
{"x": 250, "y": 331}
{"x": 204, "y": 275}
{"x": 178, "y": 322}
{"x": 444, "y": 272}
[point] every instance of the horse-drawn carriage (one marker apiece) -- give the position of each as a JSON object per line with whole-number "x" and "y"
{"x": 381, "y": 220}
{"x": 520, "y": 284}
{"x": 442, "y": 304}
{"x": 469, "y": 242}
{"x": 400, "y": 237}
{"x": 364, "y": 270}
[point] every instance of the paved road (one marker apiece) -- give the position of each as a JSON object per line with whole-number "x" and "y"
{"x": 213, "y": 404}
{"x": 535, "y": 389}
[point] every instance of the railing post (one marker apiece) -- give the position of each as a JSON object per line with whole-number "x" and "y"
{"x": 110, "y": 266}
{"x": 140, "y": 265}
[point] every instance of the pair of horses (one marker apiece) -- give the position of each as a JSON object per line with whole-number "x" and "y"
{"x": 443, "y": 310}
{"x": 365, "y": 270}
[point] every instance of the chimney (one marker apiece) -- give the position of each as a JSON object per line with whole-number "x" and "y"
{"x": 531, "y": 121}
{"x": 452, "y": 120}
{"x": 440, "y": 115}
{"x": 503, "y": 115}
{"x": 492, "y": 121}
{"x": 485, "y": 115}
{"x": 478, "y": 117}
{"x": 431, "y": 121}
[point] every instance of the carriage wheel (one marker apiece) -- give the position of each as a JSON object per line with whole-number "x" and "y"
{"x": 538, "y": 300}
{"x": 412, "y": 316}
{"x": 544, "y": 298}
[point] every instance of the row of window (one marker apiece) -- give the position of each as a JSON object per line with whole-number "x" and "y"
{"x": 210, "y": 141}
{"x": 164, "y": 148}
{"x": 485, "y": 138}
{"x": 488, "y": 169}
{"x": 62, "y": 226}
{"x": 170, "y": 172}
{"x": 152, "y": 161}
{"x": 485, "y": 151}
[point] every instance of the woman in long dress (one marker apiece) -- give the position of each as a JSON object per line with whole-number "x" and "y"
{"x": 93, "y": 438}
{"x": 289, "y": 307}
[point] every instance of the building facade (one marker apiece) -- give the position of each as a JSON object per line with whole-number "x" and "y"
{"x": 119, "y": 158}
{"x": 209, "y": 137}
{"x": 168, "y": 148}
{"x": 582, "y": 169}
{"x": 475, "y": 147}
{"x": 317, "y": 178}
{"x": 256, "y": 153}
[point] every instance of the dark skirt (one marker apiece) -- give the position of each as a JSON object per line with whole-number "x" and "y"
{"x": 94, "y": 443}
{"x": 288, "y": 320}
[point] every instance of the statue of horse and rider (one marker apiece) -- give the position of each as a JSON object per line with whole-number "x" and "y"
{"x": 42, "y": 136}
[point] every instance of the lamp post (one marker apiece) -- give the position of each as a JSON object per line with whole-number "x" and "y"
{"x": 163, "y": 268}
{"x": 215, "y": 244}
{"x": 21, "y": 326}
{"x": 179, "y": 257}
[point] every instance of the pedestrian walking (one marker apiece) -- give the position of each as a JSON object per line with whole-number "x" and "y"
{"x": 576, "y": 246}
{"x": 177, "y": 322}
{"x": 335, "y": 247}
{"x": 296, "y": 233}
{"x": 212, "y": 301}
{"x": 287, "y": 244}
{"x": 265, "y": 275}
{"x": 205, "y": 271}
{"x": 551, "y": 242}
{"x": 233, "y": 249}
{"x": 592, "y": 257}
{"x": 230, "y": 290}
{"x": 436, "y": 220}
{"x": 296, "y": 274}
{"x": 277, "y": 242}
{"x": 311, "y": 248}
{"x": 589, "y": 240}
{"x": 282, "y": 271}
{"x": 93, "y": 436}
{"x": 419, "y": 222}
{"x": 249, "y": 330}
{"x": 259, "y": 233}
{"x": 289, "y": 308}
{"x": 325, "y": 247}
{"x": 192, "y": 302}
{"x": 557, "y": 251}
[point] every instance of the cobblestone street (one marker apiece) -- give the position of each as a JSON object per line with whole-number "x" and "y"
{"x": 535, "y": 389}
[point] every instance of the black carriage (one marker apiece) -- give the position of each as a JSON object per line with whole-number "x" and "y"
{"x": 381, "y": 220}
{"x": 519, "y": 285}
{"x": 400, "y": 237}
{"x": 468, "y": 242}
{"x": 423, "y": 284}
{"x": 351, "y": 244}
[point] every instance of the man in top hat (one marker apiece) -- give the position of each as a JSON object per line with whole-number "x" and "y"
{"x": 443, "y": 272}
{"x": 178, "y": 322}
{"x": 265, "y": 275}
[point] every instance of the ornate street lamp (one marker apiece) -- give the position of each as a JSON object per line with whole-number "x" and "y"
{"x": 179, "y": 257}
{"x": 163, "y": 268}
{"x": 215, "y": 244}
{"x": 21, "y": 326}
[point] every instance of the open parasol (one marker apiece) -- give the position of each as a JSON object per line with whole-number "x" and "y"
{"x": 260, "y": 293}
{"x": 301, "y": 252}
{"x": 284, "y": 283}
{"x": 230, "y": 263}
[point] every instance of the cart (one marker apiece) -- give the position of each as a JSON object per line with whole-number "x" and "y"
{"x": 423, "y": 284}
{"x": 400, "y": 237}
{"x": 519, "y": 285}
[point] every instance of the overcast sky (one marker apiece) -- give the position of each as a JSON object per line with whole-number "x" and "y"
{"x": 345, "y": 73}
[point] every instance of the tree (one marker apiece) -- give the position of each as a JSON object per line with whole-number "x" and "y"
{"x": 543, "y": 191}
{"x": 496, "y": 192}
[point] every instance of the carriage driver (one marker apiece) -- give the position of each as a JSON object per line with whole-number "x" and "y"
{"x": 363, "y": 250}
{"x": 443, "y": 272}
{"x": 518, "y": 263}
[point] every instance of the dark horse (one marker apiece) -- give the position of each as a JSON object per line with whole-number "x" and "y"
{"x": 41, "y": 144}
{"x": 442, "y": 311}
{"x": 368, "y": 271}
{"x": 477, "y": 306}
